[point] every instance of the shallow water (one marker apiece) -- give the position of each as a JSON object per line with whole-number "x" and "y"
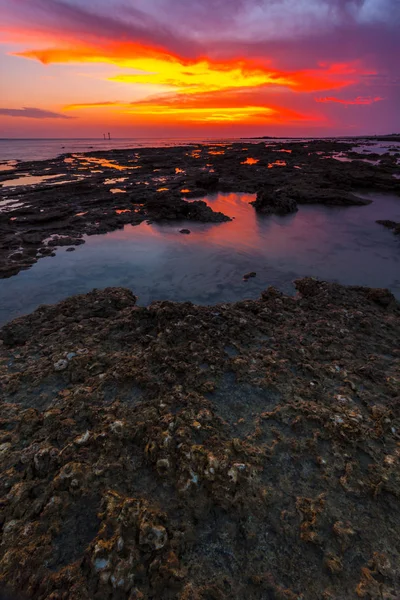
{"x": 207, "y": 266}
{"x": 27, "y": 179}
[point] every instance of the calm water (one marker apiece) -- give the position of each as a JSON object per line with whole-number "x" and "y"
{"x": 31, "y": 149}
{"x": 36, "y": 149}
{"x": 207, "y": 266}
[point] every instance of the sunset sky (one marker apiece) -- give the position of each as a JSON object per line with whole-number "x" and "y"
{"x": 195, "y": 68}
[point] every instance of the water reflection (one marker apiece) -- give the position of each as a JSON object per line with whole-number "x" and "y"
{"x": 250, "y": 161}
{"x": 157, "y": 262}
{"x": 28, "y": 180}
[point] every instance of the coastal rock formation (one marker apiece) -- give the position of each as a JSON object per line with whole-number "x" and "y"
{"x": 274, "y": 202}
{"x": 166, "y": 207}
{"x": 155, "y": 184}
{"x": 246, "y": 450}
{"x": 395, "y": 227}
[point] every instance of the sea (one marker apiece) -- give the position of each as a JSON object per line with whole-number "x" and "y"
{"x": 44, "y": 149}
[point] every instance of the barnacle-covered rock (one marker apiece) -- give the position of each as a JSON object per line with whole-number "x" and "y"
{"x": 187, "y": 452}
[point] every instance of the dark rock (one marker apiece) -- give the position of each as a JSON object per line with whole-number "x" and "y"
{"x": 274, "y": 202}
{"x": 393, "y": 225}
{"x": 187, "y": 231}
{"x": 207, "y": 181}
{"x": 166, "y": 206}
{"x": 309, "y": 194}
{"x": 72, "y": 249}
{"x": 249, "y": 275}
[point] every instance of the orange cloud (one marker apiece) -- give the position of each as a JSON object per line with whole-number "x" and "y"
{"x": 361, "y": 100}
{"x": 199, "y": 90}
{"x": 150, "y": 65}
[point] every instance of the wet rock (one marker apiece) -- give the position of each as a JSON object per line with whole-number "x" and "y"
{"x": 61, "y": 365}
{"x": 393, "y": 225}
{"x": 249, "y": 275}
{"x": 120, "y": 494}
{"x": 186, "y": 231}
{"x": 312, "y": 194}
{"x": 72, "y": 249}
{"x": 152, "y": 536}
{"x": 207, "y": 181}
{"x": 274, "y": 202}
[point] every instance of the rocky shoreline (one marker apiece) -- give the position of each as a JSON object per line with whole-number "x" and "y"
{"x": 175, "y": 451}
{"x": 93, "y": 193}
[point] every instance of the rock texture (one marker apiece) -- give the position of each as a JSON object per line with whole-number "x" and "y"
{"x": 246, "y": 450}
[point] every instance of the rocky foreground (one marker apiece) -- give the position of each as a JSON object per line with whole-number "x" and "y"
{"x": 246, "y": 450}
{"x": 93, "y": 193}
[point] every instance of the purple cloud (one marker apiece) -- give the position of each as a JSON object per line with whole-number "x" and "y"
{"x": 32, "y": 113}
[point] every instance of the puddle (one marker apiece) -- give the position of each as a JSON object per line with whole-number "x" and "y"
{"x": 122, "y": 210}
{"x": 117, "y": 191}
{"x": 88, "y": 161}
{"x": 207, "y": 266}
{"x": 28, "y": 180}
{"x": 114, "y": 180}
{"x": 250, "y": 161}
{"x": 277, "y": 163}
{"x": 7, "y": 205}
{"x": 9, "y": 165}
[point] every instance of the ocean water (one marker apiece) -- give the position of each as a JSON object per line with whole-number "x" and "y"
{"x": 207, "y": 267}
{"x": 42, "y": 149}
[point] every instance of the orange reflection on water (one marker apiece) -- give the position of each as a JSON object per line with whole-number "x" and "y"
{"x": 87, "y": 161}
{"x": 247, "y": 231}
{"x": 114, "y": 180}
{"x": 163, "y": 189}
{"x": 121, "y": 211}
{"x": 117, "y": 191}
{"x": 250, "y": 161}
{"x": 185, "y": 191}
{"x": 277, "y": 163}
{"x": 178, "y": 170}
{"x": 216, "y": 152}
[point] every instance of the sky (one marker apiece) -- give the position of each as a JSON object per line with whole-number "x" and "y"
{"x": 199, "y": 68}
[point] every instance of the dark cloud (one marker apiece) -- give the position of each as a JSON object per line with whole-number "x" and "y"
{"x": 123, "y": 24}
{"x": 32, "y": 113}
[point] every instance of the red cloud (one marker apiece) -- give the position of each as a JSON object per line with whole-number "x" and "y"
{"x": 359, "y": 100}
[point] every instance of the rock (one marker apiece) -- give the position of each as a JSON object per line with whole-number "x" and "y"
{"x": 163, "y": 465}
{"x": 393, "y": 225}
{"x": 61, "y": 365}
{"x": 279, "y": 203}
{"x": 308, "y": 193}
{"x": 249, "y": 275}
{"x": 187, "y": 231}
{"x": 153, "y": 536}
{"x": 207, "y": 181}
{"x": 71, "y": 249}
{"x": 165, "y": 206}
